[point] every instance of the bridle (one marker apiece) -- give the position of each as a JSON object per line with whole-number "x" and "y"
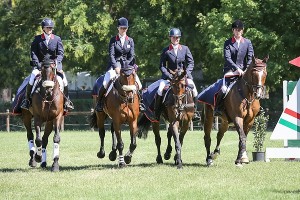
{"x": 128, "y": 90}
{"x": 258, "y": 88}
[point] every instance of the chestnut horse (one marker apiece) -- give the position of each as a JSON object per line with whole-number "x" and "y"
{"x": 178, "y": 110}
{"x": 241, "y": 106}
{"x": 47, "y": 106}
{"x": 122, "y": 106}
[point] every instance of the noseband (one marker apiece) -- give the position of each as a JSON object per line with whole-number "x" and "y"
{"x": 258, "y": 68}
{"x": 127, "y": 91}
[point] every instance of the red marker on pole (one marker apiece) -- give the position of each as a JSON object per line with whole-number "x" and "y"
{"x": 295, "y": 62}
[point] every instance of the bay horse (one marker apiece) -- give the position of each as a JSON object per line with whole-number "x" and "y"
{"x": 178, "y": 110}
{"x": 241, "y": 106}
{"x": 47, "y": 107}
{"x": 122, "y": 105}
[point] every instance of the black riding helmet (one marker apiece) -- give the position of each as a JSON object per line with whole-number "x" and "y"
{"x": 175, "y": 32}
{"x": 237, "y": 24}
{"x": 47, "y": 22}
{"x": 123, "y": 22}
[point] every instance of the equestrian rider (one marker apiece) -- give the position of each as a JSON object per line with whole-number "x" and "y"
{"x": 173, "y": 57}
{"x": 238, "y": 52}
{"x": 121, "y": 53}
{"x": 46, "y": 43}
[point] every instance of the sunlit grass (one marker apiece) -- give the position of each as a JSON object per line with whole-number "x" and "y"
{"x": 83, "y": 176}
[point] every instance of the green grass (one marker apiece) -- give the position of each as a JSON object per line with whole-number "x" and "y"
{"x": 84, "y": 176}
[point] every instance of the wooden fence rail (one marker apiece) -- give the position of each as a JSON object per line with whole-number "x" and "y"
{"x": 8, "y": 116}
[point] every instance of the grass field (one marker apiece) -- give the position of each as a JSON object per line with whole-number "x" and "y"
{"x": 84, "y": 176}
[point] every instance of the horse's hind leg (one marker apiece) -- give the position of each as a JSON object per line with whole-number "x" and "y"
{"x": 113, "y": 153}
{"x": 168, "y": 152}
{"x": 155, "y": 127}
{"x": 101, "y": 153}
{"x": 132, "y": 147}
{"x": 208, "y": 123}
{"x": 223, "y": 128}
{"x": 26, "y": 117}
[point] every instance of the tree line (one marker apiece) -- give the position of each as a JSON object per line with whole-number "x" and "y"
{"x": 86, "y": 26}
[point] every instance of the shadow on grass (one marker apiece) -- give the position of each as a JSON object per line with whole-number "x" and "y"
{"x": 99, "y": 167}
{"x": 288, "y": 191}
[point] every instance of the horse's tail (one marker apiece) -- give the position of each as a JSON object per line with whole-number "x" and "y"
{"x": 143, "y": 126}
{"x": 93, "y": 120}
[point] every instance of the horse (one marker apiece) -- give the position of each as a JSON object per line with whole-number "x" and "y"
{"x": 121, "y": 104}
{"x": 47, "y": 107}
{"x": 241, "y": 106}
{"x": 178, "y": 110}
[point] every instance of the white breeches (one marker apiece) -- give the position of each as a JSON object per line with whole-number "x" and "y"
{"x": 35, "y": 72}
{"x": 111, "y": 74}
{"x": 163, "y": 83}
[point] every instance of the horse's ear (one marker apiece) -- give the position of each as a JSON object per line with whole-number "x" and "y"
{"x": 265, "y": 60}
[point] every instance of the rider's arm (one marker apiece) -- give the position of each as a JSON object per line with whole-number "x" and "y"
{"x": 163, "y": 64}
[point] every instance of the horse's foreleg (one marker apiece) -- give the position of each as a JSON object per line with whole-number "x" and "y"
{"x": 26, "y": 116}
{"x": 168, "y": 152}
{"x": 238, "y": 122}
{"x": 56, "y": 142}
{"x": 47, "y": 132}
{"x": 113, "y": 153}
{"x": 132, "y": 147}
{"x": 120, "y": 144}
{"x": 38, "y": 141}
{"x": 177, "y": 156}
{"x": 155, "y": 127}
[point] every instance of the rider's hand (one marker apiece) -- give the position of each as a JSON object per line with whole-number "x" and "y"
{"x": 240, "y": 71}
{"x": 117, "y": 69}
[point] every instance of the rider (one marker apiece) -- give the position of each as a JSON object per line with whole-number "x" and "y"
{"x": 46, "y": 43}
{"x": 121, "y": 53}
{"x": 173, "y": 56}
{"x": 238, "y": 52}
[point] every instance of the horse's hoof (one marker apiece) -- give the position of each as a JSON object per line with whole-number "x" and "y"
{"x": 159, "y": 159}
{"x": 245, "y": 158}
{"x": 122, "y": 165}
{"x": 44, "y": 165}
{"x": 179, "y": 166}
{"x": 37, "y": 158}
{"x": 214, "y": 155}
{"x": 55, "y": 167}
{"x": 101, "y": 154}
{"x": 167, "y": 156}
{"x": 127, "y": 159}
{"x": 32, "y": 162}
{"x": 209, "y": 162}
{"x": 112, "y": 156}
{"x": 239, "y": 165}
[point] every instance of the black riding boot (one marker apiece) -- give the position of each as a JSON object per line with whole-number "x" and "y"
{"x": 219, "y": 104}
{"x": 142, "y": 105}
{"x": 196, "y": 114}
{"x": 99, "y": 106}
{"x": 27, "y": 101}
{"x": 68, "y": 105}
{"x": 157, "y": 107}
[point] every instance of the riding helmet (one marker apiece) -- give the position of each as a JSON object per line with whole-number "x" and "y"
{"x": 237, "y": 24}
{"x": 47, "y": 22}
{"x": 123, "y": 22}
{"x": 175, "y": 32}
